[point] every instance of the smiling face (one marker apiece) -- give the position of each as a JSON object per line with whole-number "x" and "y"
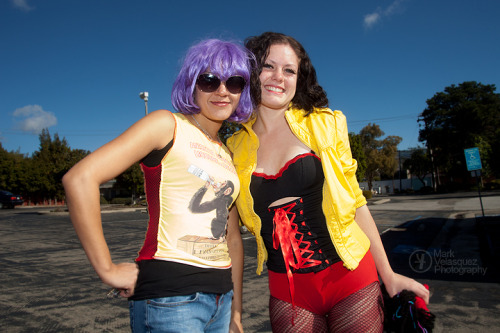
{"x": 218, "y": 105}
{"x": 279, "y": 77}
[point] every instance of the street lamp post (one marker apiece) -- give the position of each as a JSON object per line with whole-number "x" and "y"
{"x": 144, "y": 96}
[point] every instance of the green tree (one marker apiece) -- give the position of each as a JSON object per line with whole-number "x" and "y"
{"x": 131, "y": 180}
{"x": 13, "y": 171}
{"x": 227, "y": 129}
{"x": 419, "y": 164}
{"x": 380, "y": 154}
{"x": 389, "y": 150}
{"x": 358, "y": 154}
{"x": 463, "y": 116}
{"x": 5, "y": 167}
{"x": 39, "y": 177}
{"x": 49, "y": 164}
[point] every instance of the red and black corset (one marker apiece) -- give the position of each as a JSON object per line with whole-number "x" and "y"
{"x": 294, "y": 233}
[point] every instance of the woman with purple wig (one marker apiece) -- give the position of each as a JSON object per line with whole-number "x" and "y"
{"x": 188, "y": 274}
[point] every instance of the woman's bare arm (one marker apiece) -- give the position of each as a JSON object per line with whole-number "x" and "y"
{"x": 81, "y": 184}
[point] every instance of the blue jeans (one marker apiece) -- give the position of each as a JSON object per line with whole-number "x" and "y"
{"x": 199, "y": 312}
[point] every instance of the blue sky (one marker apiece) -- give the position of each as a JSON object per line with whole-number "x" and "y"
{"x": 77, "y": 67}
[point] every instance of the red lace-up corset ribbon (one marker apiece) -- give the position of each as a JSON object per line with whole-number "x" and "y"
{"x": 295, "y": 249}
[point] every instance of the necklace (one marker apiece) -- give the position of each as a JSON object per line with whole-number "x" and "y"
{"x": 207, "y": 134}
{"x": 202, "y": 129}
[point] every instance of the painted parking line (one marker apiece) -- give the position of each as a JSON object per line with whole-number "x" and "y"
{"x": 398, "y": 228}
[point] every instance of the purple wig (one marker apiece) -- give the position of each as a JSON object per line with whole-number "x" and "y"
{"x": 223, "y": 59}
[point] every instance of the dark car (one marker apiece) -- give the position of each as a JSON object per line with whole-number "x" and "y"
{"x": 9, "y": 200}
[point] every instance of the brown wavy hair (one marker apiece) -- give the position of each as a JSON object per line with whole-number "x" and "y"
{"x": 309, "y": 93}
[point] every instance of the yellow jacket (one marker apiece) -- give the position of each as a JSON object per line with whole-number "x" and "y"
{"x": 325, "y": 132}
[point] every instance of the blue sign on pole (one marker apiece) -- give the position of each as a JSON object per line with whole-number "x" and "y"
{"x": 472, "y": 158}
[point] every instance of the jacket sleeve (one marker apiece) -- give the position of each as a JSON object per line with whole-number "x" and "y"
{"x": 349, "y": 165}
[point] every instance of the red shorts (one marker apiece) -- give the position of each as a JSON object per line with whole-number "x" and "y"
{"x": 319, "y": 292}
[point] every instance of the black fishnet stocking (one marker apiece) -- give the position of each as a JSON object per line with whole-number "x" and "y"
{"x": 282, "y": 313}
{"x": 360, "y": 312}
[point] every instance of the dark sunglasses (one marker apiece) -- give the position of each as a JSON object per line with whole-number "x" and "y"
{"x": 210, "y": 83}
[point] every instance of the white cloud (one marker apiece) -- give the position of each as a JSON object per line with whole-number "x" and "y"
{"x": 34, "y": 118}
{"x": 22, "y": 4}
{"x": 371, "y": 19}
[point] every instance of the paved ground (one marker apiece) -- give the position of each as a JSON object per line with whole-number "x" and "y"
{"x": 48, "y": 285}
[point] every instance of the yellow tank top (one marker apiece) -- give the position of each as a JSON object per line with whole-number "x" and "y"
{"x": 197, "y": 183}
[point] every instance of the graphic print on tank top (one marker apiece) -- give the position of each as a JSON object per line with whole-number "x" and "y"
{"x": 213, "y": 248}
{"x": 220, "y": 203}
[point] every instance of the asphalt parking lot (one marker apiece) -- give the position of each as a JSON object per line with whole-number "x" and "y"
{"x": 48, "y": 285}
